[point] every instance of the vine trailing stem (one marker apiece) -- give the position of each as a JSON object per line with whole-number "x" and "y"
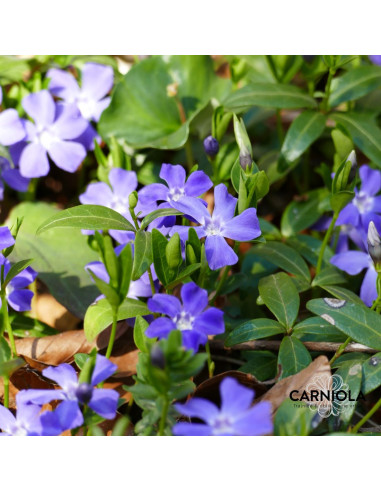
{"x": 6, "y": 391}
{"x": 210, "y": 361}
{"x": 113, "y": 333}
{"x": 340, "y": 350}
{"x": 331, "y": 74}
{"x": 325, "y": 242}
{"x": 163, "y": 418}
{"x": 366, "y": 417}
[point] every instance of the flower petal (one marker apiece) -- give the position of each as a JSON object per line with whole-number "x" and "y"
{"x": 21, "y": 299}
{"x": 11, "y": 127}
{"x": 197, "y": 184}
{"x": 6, "y": 238}
{"x": 40, "y": 107}
{"x": 198, "y": 408}
{"x": 42, "y": 396}
{"x": 97, "y": 80}
{"x": 210, "y": 322}
{"x": 192, "y": 339}
{"x": 103, "y": 369}
{"x": 24, "y": 278}
{"x": 351, "y": 262}
{"x": 219, "y": 253}
{"x": 235, "y": 398}
{"x": 160, "y": 328}
{"x": 370, "y": 180}
{"x": 97, "y": 194}
{"x": 153, "y": 192}
{"x": 69, "y": 123}
{"x": 64, "y": 375}
{"x": 164, "y": 304}
{"x": 123, "y": 182}
{"x": 14, "y": 180}
{"x": 99, "y": 270}
{"x": 173, "y": 175}
{"x": 349, "y": 215}
{"x": 187, "y": 429}
{"x": 243, "y": 227}
{"x": 368, "y": 291}
{"x": 69, "y": 415}
{"x": 193, "y": 207}
{"x": 7, "y": 420}
{"x": 224, "y": 203}
{"x": 34, "y": 161}
{"x": 194, "y": 298}
{"x": 67, "y": 155}
{"x": 255, "y": 422}
{"x": 104, "y": 402}
{"x": 62, "y": 84}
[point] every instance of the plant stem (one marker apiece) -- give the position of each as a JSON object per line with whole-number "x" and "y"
{"x": 113, "y": 333}
{"x": 331, "y": 74}
{"x": 6, "y": 324}
{"x": 6, "y": 391}
{"x": 366, "y": 417}
{"x": 326, "y": 239}
{"x": 340, "y": 350}
{"x": 163, "y": 418}
{"x": 152, "y": 284}
{"x": 377, "y": 303}
{"x": 210, "y": 361}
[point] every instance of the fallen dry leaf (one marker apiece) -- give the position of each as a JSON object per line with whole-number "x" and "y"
{"x": 51, "y": 312}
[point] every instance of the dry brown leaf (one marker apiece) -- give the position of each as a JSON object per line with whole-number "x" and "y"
{"x": 281, "y": 390}
{"x": 51, "y": 312}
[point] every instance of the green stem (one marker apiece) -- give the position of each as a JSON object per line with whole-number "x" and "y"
{"x": 163, "y": 419}
{"x": 340, "y": 350}
{"x": 6, "y": 391}
{"x": 366, "y": 417}
{"x": 377, "y": 303}
{"x": 331, "y": 74}
{"x": 7, "y": 325}
{"x": 326, "y": 239}
{"x": 152, "y": 284}
{"x": 113, "y": 333}
{"x": 211, "y": 364}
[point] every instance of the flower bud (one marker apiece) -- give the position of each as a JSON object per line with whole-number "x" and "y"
{"x": 133, "y": 199}
{"x": 172, "y": 89}
{"x": 157, "y": 357}
{"x": 211, "y": 146}
{"x": 245, "y": 160}
{"x": 353, "y": 160}
{"x": 84, "y": 393}
{"x": 374, "y": 245}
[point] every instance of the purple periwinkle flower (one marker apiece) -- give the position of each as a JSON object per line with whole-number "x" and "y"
{"x": 178, "y": 187}
{"x": 12, "y": 177}
{"x": 236, "y": 417}
{"x": 90, "y": 98}
{"x": 366, "y": 205}
{"x": 75, "y": 394}
{"x": 6, "y": 239}
{"x": 191, "y": 316}
{"x": 52, "y": 133}
{"x": 220, "y": 225}
{"x": 376, "y": 59}
{"x": 11, "y": 127}
{"x": 17, "y": 294}
{"x": 114, "y": 196}
{"x": 27, "y": 420}
{"x": 211, "y": 146}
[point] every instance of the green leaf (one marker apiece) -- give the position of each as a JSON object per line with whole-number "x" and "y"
{"x": 144, "y": 115}
{"x": 107, "y": 290}
{"x": 12, "y": 69}
{"x": 371, "y": 371}
{"x": 351, "y": 372}
{"x": 23, "y": 326}
{"x": 59, "y": 257}
{"x": 281, "y": 96}
{"x": 99, "y": 315}
{"x": 354, "y": 84}
{"x": 304, "y": 130}
{"x": 183, "y": 275}
{"x": 316, "y": 329}
{"x": 261, "y": 364}
{"x": 142, "y": 342}
{"x": 284, "y": 257}
{"x": 356, "y": 321}
{"x": 340, "y": 199}
{"x": 309, "y": 248}
{"x": 328, "y": 276}
{"x": 162, "y": 212}
{"x": 15, "y": 270}
{"x": 125, "y": 271}
{"x": 293, "y": 356}
{"x": 9, "y": 367}
{"x": 280, "y": 295}
{"x": 159, "y": 244}
{"x": 364, "y": 133}
{"x": 92, "y": 217}
{"x": 293, "y": 419}
{"x": 143, "y": 257}
{"x": 5, "y": 350}
{"x": 342, "y": 293}
{"x": 300, "y": 215}
{"x": 254, "y": 330}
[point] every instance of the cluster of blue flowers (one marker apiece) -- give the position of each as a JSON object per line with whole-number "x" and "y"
{"x": 59, "y": 125}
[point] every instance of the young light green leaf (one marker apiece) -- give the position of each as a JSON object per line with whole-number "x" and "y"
{"x": 280, "y": 295}
{"x": 161, "y": 212}
{"x": 183, "y": 275}
{"x": 159, "y": 244}
{"x": 293, "y": 356}
{"x": 254, "y": 330}
{"x": 92, "y": 217}
{"x": 15, "y": 270}
{"x": 356, "y": 321}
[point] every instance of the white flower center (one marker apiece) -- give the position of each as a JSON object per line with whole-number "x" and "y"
{"x": 176, "y": 193}
{"x": 222, "y": 424}
{"x": 213, "y": 227}
{"x": 363, "y": 202}
{"x": 45, "y": 137}
{"x": 184, "y": 321}
{"x": 87, "y": 107}
{"x": 120, "y": 205}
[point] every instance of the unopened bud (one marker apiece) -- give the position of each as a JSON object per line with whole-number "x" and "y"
{"x": 245, "y": 160}
{"x": 374, "y": 245}
{"x": 157, "y": 357}
{"x": 84, "y": 393}
{"x": 353, "y": 160}
{"x": 133, "y": 199}
{"x": 211, "y": 146}
{"x": 172, "y": 89}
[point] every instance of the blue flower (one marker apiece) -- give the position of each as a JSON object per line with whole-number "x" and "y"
{"x": 27, "y": 421}
{"x": 236, "y": 417}
{"x": 17, "y": 294}
{"x": 11, "y": 127}
{"x": 12, "y": 177}
{"x": 191, "y": 316}
{"x": 219, "y": 225}
{"x": 211, "y": 146}
{"x": 74, "y": 395}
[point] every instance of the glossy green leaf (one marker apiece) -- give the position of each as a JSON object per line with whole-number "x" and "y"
{"x": 356, "y": 321}
{"x": 142, "y": 342}
{"x": 99, "y": 315}
{"x": 364, "y": 132}
{"x": 317, "y": 329}
{"x": 183, "y": 275}
{"x": 300, "y": 215}
{"x": 371, "y": 370}
{"x": 7, "y": 368}
{"x": 328, "y": 276}
{"x": 15, "y": 269}
{"x": 309, "y": 248}
{"x": 262, "y": 364}
{"x": 268, "y": 95}
{"x": 254, "y": 330}
{"x": 284, "y": 257}
{"x": 23, "y": 326}
{"x": 143, "y": 257}
{"x": 162, "y": 212}
{"x": 293, "y": 419}
{"x": 304, "y": 130}
{"x": 280, "y": 295}
{"x": 159, "y": 244}
{"x": 343, "y": 293}
{"x": 354, "y": 84}
{"x": 144, "y": 115}
{"x": 59, "y": 256}
{"x": 293, "y": 356}
{"x": 351, "y": 373}
{"x": 5, "y": 350}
